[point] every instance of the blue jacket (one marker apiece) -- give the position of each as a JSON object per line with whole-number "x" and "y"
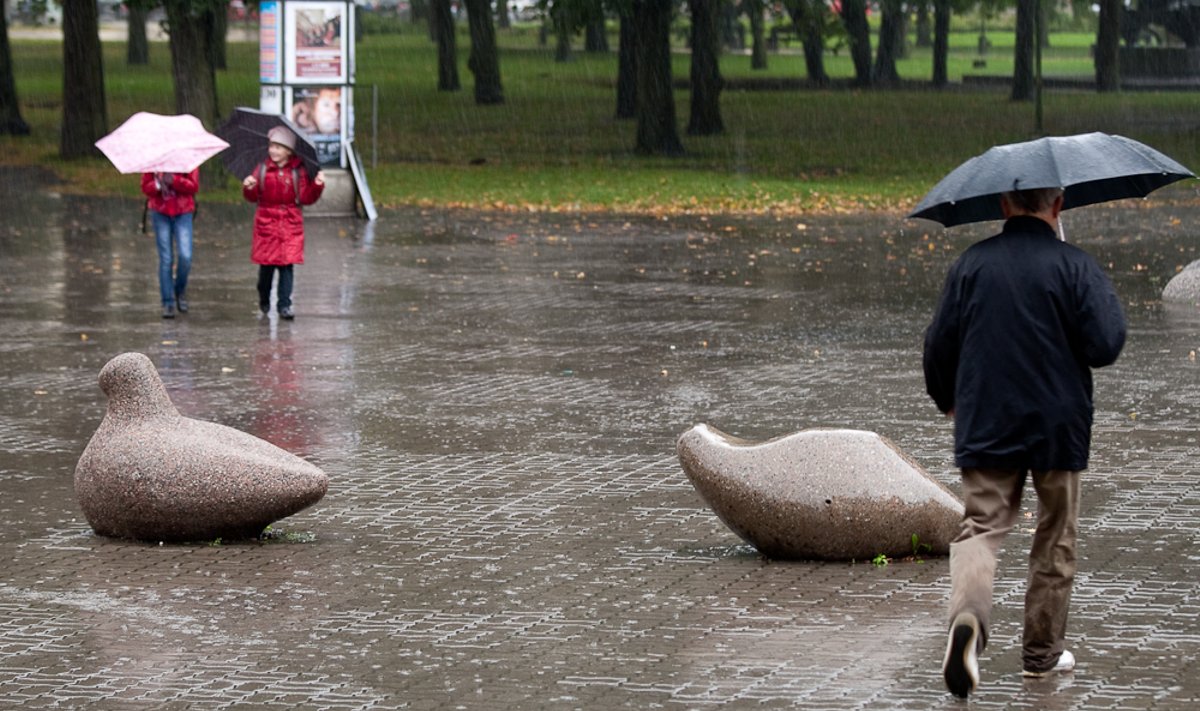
{"x": 1023, "y": 319}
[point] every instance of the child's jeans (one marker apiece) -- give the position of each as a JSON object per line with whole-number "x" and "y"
{"x": 173, "y": 236}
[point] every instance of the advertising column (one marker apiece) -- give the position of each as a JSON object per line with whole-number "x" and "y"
{"x": 306, "y": 55}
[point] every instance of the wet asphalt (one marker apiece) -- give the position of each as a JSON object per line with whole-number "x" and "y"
{"x": 496, "y": 399}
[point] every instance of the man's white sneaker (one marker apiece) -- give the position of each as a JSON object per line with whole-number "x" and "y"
{"x": 960, "y": 668}
{"x": 1065, "y": 664}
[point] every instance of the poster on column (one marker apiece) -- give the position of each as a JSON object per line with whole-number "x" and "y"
{"x": 316, "y": 47}
{"x": 270, "y": 68}
{"x": 318, "y": 110}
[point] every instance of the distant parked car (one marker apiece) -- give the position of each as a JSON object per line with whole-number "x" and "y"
{"x": 525, "y": 10}
{"x": 39, "y": 12}
{"x": 112, "y": 9}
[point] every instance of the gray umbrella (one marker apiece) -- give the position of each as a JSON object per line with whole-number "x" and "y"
{"x": 1090, "y": 168}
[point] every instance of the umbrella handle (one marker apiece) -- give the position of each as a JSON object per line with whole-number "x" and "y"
{"x": 145, "y": 209}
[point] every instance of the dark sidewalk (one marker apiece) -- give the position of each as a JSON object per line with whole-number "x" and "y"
{"x": 496, "y": 400}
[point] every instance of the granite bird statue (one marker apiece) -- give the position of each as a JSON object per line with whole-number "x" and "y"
{"x": 821, "y": 494}
{"x": 151, "y": 474}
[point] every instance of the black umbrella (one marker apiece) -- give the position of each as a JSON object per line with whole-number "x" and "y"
{"x": 246, "y": 132}
{"x": 1090, "y": 168}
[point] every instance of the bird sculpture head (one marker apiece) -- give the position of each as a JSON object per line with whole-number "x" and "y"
{"x": 134, "y": 388}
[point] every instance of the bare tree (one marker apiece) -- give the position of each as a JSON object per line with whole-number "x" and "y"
{"x": 854, "y": 17}
{"x": 442, "y": 23}
{"x": 137, "y": 48}
{"x": 627, "y": 62}
{"x": 484, "y": 61}
{"x": 85, "y": 112}
{"x": 706, "y": 81}
{"x": 754, "y": 10}
{"x": 808, "y": 17}
{"x": 1022, "y": 83}
{"x": 941, "y": 42}
{"x": 1108, "y": 41}
{"x": 891, "y": 42}
{"x": 10, "y": 109}
{"x": 190, "y": 28}
{"x": 657, "y": 132}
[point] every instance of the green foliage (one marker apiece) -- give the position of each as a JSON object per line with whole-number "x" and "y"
{"x": 880, "y": 560}
{"x": 383, "y": 23}
{"x": 919, "y": 548}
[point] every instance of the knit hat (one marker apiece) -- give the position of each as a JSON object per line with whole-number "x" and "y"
{"x": 282, "y": 136}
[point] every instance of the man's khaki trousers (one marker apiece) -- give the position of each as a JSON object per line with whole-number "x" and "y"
{"x": 993, "y": 503}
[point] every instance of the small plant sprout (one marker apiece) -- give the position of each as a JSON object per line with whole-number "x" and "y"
{"x": 918, "y": 548}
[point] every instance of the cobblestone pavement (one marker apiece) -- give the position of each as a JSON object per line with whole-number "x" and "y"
{"x": 496, "y": 400}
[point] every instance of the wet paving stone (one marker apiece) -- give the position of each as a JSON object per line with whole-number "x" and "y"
{"x": 496, "y": 400}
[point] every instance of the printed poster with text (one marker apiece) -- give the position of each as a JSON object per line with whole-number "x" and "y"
{"x": 269, "y": 68}
{"x": 316, "y": 46}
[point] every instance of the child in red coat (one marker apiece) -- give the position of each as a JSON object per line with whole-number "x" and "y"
{"x": 280, "y": 186}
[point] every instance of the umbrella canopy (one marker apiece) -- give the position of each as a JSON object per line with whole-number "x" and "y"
{"x": 153, "y": 143}
{"x": 1090, "y": 168}
{"x": 246, "y": 130}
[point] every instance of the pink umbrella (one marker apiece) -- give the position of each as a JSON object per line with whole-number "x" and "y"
{"x": 153, "y": 143}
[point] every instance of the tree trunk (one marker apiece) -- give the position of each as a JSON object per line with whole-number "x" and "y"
{"x": 442, "y": 22}
{"x": 1022, "y": 83}
{"x": 758, "y": 45}
{"x": 854, "y": 16}
{"x": 891, "y": 39}
{"x": 562, "y": 32}
{"x": 627, "y": 66}
{"x": 941, "y": 42}
{"x": 731, "y": 34}
{"x": 595, "y": 37}
{"x": 808, "y": 17}
{"x": 216, "y": 23}
{"x": 1043, "y": 29}
{"x": 924, "y": 36}
{"x": 503, "y": 19}
{"x": 706, "y": 82}
{"x": 10, "y": 109}
{"x": 137, "y": 51}
{"x": 191, "y": 61}
{"x": 484, "y": 60}
{"x": 657, "y": 133}
{"x": 85, "y": 112}
{"x": 1108, "y": 43}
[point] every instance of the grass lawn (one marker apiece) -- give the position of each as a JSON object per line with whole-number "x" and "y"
{"x": 554, "y": 144}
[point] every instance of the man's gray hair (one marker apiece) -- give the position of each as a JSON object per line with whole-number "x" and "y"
{"x": 1033, "y": 201}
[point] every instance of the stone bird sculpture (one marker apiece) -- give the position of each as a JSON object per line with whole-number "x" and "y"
{"x": 148, "y": 473}
{"x": 823, "y": 494}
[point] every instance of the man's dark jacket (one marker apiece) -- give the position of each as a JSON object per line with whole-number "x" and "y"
{"x": 1022, "y": 320}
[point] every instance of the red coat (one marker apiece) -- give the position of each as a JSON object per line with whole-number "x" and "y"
{"x": 179, "y": 198}
{"x": 278, "y": 221}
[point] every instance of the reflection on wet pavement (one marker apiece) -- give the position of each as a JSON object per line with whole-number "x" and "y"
{"x": 496, "y": 399}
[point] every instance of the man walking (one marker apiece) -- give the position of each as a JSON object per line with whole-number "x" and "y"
{"x": 1023, "y": 319}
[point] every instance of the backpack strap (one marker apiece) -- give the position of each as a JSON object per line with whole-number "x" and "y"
{"x": 262, "y": 176}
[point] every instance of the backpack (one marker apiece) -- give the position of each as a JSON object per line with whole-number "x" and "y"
{"x": 262, "y": 175}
